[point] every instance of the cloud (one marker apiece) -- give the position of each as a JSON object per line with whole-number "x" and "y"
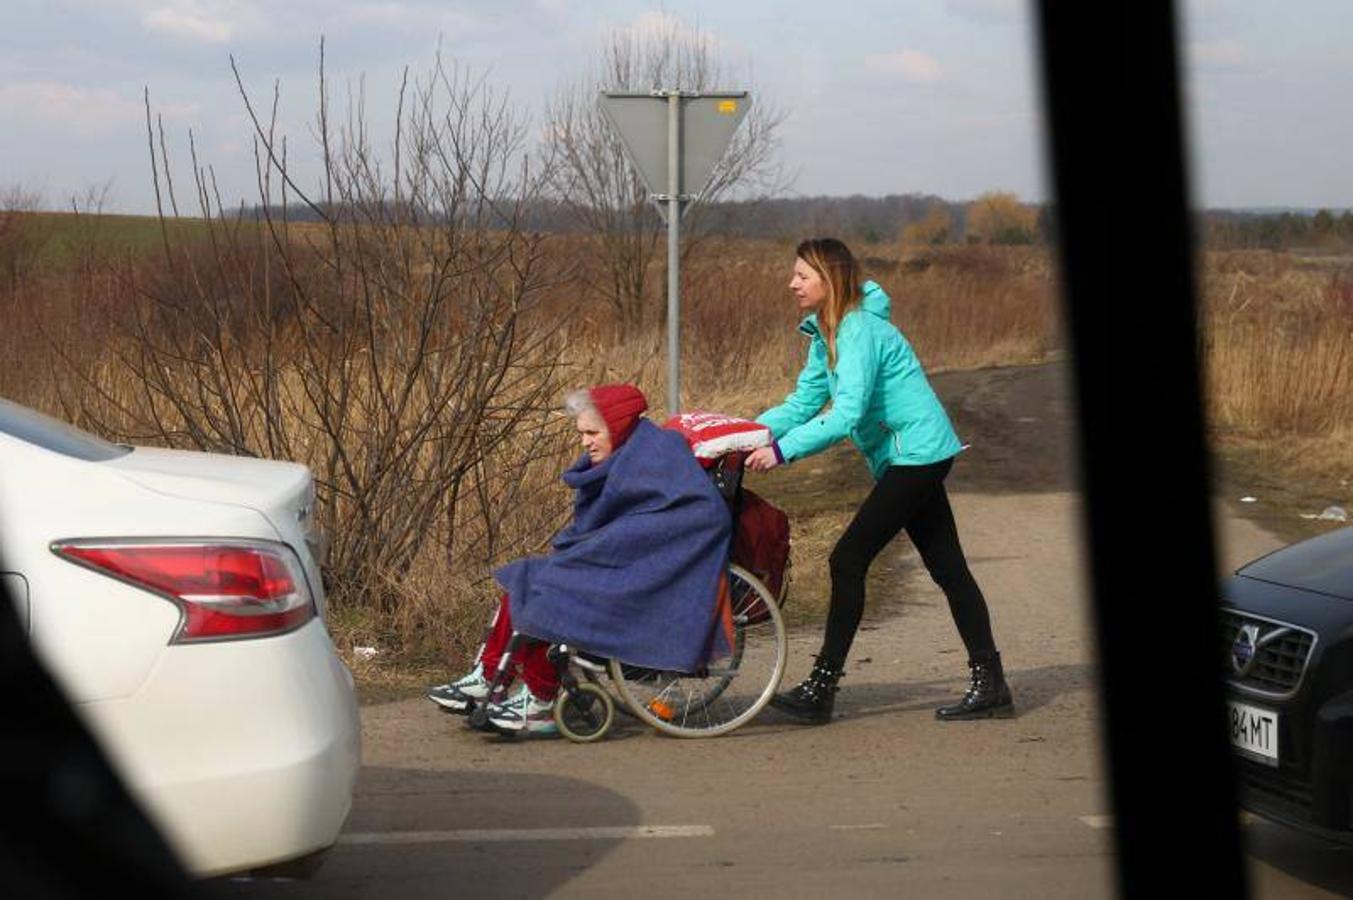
{"x": 185, "y": 24}
{"x": 223, "y": 22}
{"x": 659, "y": 24}
{"x": 1218, "y": 53}
{"x": 82, "y": 112}
{"x": 1202, "y": 6}
{"x": 409, "y": 18}
{"x": 909, "y": 65}
{"x": 205, "y": 21}
{"x": 382, "y": 14}
{"x": 990, "y": 11}
{"x": 730, "y": 60}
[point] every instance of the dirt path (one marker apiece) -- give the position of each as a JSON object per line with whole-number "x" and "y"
{"x": 886, "y": 801}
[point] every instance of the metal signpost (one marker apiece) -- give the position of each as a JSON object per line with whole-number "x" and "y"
{"x": 675, "y": 139}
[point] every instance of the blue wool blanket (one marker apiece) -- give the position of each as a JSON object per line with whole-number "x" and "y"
{"x": 635, "y": 575}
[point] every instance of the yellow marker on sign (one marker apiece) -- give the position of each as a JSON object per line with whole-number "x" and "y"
{"x": 728, "y": 106}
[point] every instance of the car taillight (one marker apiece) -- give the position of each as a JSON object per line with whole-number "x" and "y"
{"x": 226, "y": 589}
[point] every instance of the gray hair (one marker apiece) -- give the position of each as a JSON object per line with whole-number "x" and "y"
{"x": 578, "y": 402}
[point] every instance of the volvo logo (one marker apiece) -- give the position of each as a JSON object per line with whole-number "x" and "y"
{"x": 1248, "y": 641}
{"x": 1243, "y": 649}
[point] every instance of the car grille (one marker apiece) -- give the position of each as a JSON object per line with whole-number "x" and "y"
{"x": 1281, "y": 652}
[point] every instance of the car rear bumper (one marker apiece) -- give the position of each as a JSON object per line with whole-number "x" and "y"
{"x": 244, "y": 753}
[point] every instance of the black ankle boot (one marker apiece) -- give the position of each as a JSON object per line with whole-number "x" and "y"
{"x": 988, "y": 695}
{"x": 811, "y": 699}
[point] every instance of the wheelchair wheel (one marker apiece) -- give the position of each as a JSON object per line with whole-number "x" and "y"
{"x": 584, "y": 713}
{"x": 731, "y": 690}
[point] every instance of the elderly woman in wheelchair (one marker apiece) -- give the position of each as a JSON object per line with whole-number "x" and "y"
{"x": 639, "y": 587}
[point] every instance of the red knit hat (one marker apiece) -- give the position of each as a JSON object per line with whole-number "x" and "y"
{"x": 620, "y": 405}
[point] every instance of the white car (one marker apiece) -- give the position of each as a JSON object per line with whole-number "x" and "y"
{"x": 176, "y": 598}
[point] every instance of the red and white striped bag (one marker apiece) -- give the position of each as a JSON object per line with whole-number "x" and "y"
{"x": 712, "y": 435}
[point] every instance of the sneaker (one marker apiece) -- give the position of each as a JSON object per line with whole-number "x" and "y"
{"x": 523, "y": 713}
{"x": 461, "y": 696}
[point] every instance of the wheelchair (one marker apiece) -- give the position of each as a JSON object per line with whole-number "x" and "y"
{"x": 720, "y": 696}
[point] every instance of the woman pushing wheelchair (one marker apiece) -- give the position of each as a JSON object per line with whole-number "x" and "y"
{"x": 634, "y": 577}
{"x": 879, "y": 399}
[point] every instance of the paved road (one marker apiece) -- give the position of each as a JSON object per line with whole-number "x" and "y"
{"x": 885, "y": 801}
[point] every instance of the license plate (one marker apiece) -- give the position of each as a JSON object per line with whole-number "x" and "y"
{"x": 1254, "y": 732}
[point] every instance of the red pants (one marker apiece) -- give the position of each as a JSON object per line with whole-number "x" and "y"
{"x": 529, "y": 658}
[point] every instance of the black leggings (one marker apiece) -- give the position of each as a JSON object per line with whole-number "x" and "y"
{"x": 910, "y": 497}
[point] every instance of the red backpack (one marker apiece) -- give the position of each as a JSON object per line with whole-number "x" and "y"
{"x": 761, "y": 529}
{"x": 761, "y": 543}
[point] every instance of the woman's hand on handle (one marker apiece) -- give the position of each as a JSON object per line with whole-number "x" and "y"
{"x": 762, "y": 459}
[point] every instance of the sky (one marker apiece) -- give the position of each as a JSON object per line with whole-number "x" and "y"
{"x": 927, "y": 96}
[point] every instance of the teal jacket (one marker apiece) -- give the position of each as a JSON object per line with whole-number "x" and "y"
{"x": 880, "y": 397}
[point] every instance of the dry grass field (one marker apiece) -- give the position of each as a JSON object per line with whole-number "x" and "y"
{"x": 1277, "y": 344}
{"x": 1279, "y": 352}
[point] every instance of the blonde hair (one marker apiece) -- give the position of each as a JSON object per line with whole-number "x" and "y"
{"x": 833, "y": 261}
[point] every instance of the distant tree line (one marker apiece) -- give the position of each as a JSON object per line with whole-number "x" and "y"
{"x": 920, "y": 219}
{"x": 854, "y": 218}
{"x": 1233, "y": 230}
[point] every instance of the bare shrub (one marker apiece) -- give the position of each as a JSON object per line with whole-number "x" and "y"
{"x": 601, "y": 190}
{"x": 732, "y": 302}
{"x": 386, "y": 345}
{"x": 23, "y": 234}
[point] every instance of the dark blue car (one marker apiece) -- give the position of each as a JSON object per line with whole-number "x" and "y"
{"x": 1287, "y": 632}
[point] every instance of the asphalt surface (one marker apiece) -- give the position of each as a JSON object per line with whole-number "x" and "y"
{"x": 885, "y": 801}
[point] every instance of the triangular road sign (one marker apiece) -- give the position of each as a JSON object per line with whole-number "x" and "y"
{"x": 707, "y": 124}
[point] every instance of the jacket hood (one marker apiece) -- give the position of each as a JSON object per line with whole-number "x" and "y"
{"x": 873, "y": 299}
